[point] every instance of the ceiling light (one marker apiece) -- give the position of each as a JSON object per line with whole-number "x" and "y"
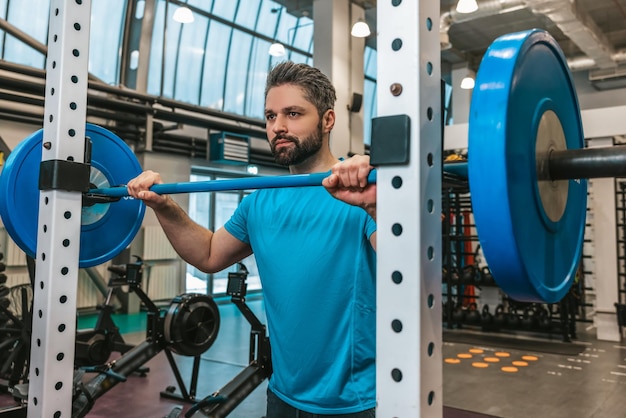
{"x": 466, "y": 6}
{"x": 360, "y": 29}
{"x": 183, "y": 15}
{"x": 277, "y": 49}
{"x": 467, "y": 83}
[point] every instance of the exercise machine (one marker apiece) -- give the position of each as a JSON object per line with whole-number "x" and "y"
{"x": 220, "y": 403}
{"x": 188, "y": 327}
{"x": 95, "y": 346}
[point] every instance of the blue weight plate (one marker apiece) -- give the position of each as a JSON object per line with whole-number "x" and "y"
{"x": 106, "y": 229}
{"x": 532, "y": 257}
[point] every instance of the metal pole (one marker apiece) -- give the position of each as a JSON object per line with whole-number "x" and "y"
{"x": 586, "y": 163}
{"x": 409, "y": 371}
{"x": 58, "y": 239}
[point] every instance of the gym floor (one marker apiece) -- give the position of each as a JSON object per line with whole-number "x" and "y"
{"x": 544, "y": 378}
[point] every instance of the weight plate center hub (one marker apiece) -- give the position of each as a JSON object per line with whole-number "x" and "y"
{"x": 552, "y": 194}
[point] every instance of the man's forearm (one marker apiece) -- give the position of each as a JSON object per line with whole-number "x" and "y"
{"x": 190, "y": 240}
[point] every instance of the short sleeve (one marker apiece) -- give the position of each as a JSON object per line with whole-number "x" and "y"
{"x": 370, "y": 227}
{"x": 237, "y": 225}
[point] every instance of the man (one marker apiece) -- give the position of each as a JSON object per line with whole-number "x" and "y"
{"x": 314, "y": 248}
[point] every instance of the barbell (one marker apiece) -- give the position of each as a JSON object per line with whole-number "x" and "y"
{"x": 526, "y": 173}
{"x": 106, "y": 229}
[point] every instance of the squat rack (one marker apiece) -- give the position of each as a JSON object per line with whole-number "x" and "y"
{"x": 409, "y": 359}
{"x": 406, "y": 147}
{"x": 58, "y": 234}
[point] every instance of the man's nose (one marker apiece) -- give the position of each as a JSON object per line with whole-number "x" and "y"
{"x": 280, "y": 124}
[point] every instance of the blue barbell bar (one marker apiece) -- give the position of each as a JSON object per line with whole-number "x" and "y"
{"x": 244, "y": 183}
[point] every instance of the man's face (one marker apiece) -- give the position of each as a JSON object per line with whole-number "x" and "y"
{"x": 293, "y": 127}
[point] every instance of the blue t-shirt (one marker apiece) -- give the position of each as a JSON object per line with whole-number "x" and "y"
{"x": 318, "y": 272}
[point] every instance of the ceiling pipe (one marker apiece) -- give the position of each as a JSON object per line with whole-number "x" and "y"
{"x": 485, "y": 9}
{"x": 583, "y": 62}
{"x": 573, "y": 22}
{"x": 578, "y": 26}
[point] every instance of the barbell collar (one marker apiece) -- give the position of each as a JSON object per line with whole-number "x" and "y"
{"x": 244, "y": 183}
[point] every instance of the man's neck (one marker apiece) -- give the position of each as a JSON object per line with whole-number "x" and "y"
{"x": 321, "y": 162}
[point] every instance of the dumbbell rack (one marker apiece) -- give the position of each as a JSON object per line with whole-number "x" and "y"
{"x": 462, "y": 271}
{"x": 14, "y": 330}
{"x": 455, "y": 203}
{"x": 620, "y": 203}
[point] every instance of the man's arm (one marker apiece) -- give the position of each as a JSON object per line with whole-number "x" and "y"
{"x": 206, "y": 250}
{"x": 348, "y": 182}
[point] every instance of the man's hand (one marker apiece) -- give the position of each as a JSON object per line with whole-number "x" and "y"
{"x": 139, "y": 188}
{"x": 348, "y": 182}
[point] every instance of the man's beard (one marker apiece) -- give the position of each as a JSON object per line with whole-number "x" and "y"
{"x": 301, "y": 149}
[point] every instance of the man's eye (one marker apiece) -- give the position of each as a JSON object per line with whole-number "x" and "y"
{"x": 270, "y": 117}
{"x": 293, "y": 114}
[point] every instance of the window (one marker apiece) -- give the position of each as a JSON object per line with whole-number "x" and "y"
{"x": 369, "y": 95}
{"x": 221, "y": 60}
{"x": 32, "y": 20}
{"x": 105, "y": 39}
{"x": 105, "y": 35}
{"x": 212, "y": 210}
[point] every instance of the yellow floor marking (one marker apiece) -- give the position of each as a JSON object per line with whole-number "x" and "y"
{"x": 480, "y": 364}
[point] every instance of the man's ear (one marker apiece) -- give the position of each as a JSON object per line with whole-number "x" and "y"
{"x": 328, "y": 120}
